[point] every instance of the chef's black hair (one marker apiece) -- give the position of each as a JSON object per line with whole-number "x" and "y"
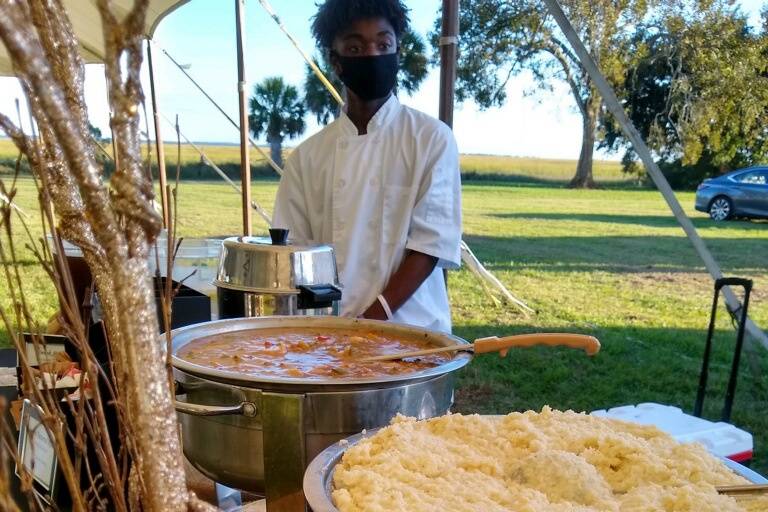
{"x": 334, "y": 16}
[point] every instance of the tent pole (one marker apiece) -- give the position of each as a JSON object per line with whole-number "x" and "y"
{"x": 159, "y": 146}
{"x": 245, "y": 165}
{"x": 642, "y": 150}
{"x": 448, "y": 53}
{"x": 449, "y": 33}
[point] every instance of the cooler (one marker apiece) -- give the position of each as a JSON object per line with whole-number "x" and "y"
{"x": 719, "y": 438}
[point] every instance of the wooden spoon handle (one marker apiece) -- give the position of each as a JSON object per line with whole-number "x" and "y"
{"x": 416, "y": 353}
{"x": 740, "y": 490}
{"x": 588, "y": 344}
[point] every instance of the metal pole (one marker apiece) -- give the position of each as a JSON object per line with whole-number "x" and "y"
{"x": 449, "y": 41}
{"x": 698, "y": 406}
{"x": 159, "y": 146}
{"x": 642, "y": 150}
{"x": 245, "y": 164}
{"x": 730, "y": 393}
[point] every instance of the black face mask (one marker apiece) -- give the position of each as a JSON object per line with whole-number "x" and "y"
{"x": 370, "y": 78}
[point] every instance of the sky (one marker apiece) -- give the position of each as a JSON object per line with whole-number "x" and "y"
{"x": 201, "y": 34}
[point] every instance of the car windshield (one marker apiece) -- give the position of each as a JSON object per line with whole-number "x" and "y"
{"x": 753, "y": 178}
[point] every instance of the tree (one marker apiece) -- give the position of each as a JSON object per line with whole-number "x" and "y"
{"x": 95, "y": 132}
{"x": 501, "y": 38}
{"x": 701, "y": 102}
{"x": 318, "y": 100}
{"x": 277, "y": 111}
{"x": 413, "y": 71}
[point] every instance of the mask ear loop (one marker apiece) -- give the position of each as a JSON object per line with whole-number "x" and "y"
{"x": 333, "y": 54}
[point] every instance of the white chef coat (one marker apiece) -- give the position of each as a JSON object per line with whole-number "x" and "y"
{"x": 372, "y": 197}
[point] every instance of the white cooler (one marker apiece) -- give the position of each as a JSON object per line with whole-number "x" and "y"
{"x": 719, "y": 438}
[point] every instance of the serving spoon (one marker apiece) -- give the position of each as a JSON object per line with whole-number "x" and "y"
{"x": 588, "y": 344}
{"x": 743, "y": 490}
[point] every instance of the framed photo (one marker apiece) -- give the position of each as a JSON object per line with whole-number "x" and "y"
{"x": 36, "y": 449}
{"x": 44, "y": 352}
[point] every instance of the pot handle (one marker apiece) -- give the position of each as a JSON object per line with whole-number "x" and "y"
{"x": 247, "y": 409}
{"x": 588, "y": 344}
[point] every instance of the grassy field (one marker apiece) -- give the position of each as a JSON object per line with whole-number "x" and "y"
{"x": 542, "y": 170}
{"x": 611, "y": 263}
{"x": 475, "y": 167}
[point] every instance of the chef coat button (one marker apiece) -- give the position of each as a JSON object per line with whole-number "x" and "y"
{"x": 343, "y": 145}
{"x": 374, "y": 182}
{"x": 341, "y": 183}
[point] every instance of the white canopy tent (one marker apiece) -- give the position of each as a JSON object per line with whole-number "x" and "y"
{"x": 84, "y": 15}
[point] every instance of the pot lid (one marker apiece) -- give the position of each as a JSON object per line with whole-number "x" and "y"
{"x": 274, "y": 265}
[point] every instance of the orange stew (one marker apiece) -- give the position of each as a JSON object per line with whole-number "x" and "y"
{"x": 307, "y": 353}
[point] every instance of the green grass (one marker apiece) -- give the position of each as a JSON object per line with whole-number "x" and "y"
{"x": 474, "y": 167}
{"x": 611, "y": 263}
{"x": 217, "y": 153}
{"x": 541, "y": 170}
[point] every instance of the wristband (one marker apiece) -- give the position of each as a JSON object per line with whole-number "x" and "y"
{"x": 385, "y": 306}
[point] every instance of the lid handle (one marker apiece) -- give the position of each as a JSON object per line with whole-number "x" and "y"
{"x": 318, "y": 296}
{"x": 279, "y": 236}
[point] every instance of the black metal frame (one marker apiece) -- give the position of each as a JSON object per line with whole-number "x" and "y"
{"x": 731, "y": 390}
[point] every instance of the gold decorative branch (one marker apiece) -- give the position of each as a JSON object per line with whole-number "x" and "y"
{"x": 114, "y": 230}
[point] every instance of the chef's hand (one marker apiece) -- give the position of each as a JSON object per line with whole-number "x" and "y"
{"x": 413, "y": 271}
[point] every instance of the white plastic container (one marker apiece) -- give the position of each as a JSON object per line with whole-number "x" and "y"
{"x": 719, "y": 438}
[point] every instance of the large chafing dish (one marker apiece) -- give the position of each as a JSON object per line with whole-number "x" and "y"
{"x": 258, "y": 433}
{"x": 318, "y": 479}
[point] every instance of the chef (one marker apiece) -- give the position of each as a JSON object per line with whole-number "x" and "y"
{"x": 381, "y": 183}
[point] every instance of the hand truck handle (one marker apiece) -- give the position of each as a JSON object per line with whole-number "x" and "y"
{"x": 733, "y": 281}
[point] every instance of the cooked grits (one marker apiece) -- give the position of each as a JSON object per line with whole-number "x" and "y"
{"x": 549, "y": 461}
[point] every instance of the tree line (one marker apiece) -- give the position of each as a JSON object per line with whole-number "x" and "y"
{"x": 692, "y": 75}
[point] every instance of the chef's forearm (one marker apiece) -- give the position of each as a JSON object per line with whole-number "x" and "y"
{"x": 413, "y": 271}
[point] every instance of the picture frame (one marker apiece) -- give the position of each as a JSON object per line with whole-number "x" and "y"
{"x": 37, "y": 453}
{"x": 45, "y": 351}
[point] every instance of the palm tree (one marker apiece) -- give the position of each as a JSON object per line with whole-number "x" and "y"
{"x": 277, "y": 111}
{"x": 317, "y": 98}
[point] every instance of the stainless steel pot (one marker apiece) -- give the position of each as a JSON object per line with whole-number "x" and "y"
{"x": 257, "y": 433}
{"x": 270, "y": 276}
{"x": 318, "y": 479}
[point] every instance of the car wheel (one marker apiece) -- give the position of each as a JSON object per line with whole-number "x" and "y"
{"x": 721, "y": 208}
